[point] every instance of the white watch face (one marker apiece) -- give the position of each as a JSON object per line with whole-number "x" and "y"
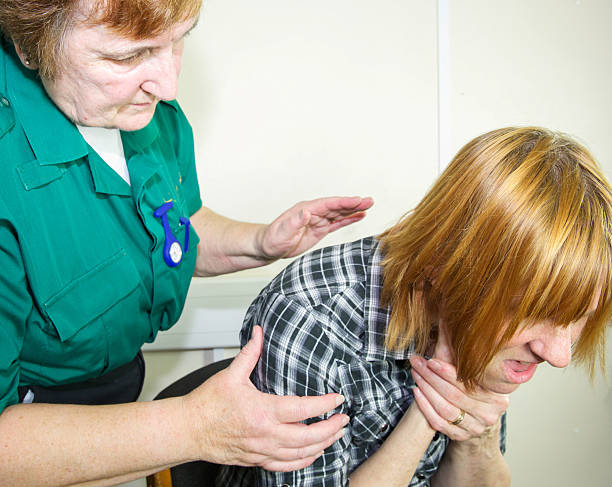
{"x": 176, "y": 253}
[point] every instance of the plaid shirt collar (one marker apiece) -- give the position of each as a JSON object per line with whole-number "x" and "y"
{"x": 376, "y": 316}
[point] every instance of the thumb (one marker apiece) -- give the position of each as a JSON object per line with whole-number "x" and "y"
{"x": 245, "y": 361}
{"x": 443, "y": 349}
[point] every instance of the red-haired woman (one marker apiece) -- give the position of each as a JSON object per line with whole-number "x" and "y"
{"x": 506, "y": 263}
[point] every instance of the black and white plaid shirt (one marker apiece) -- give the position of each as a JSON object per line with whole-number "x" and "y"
{"x": 324, "y": 331}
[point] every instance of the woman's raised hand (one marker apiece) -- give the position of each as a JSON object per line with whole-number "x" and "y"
{"x": 306, "y": 223}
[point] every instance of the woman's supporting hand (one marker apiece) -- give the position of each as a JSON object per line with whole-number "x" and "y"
{"x": 473, "y": 458}
{"x": 234, "y": 423}
{"x": 441, "y": 397}
{"x": 306, "y": 223}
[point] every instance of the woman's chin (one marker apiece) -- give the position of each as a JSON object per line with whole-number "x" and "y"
{"x": 135, "y": 122}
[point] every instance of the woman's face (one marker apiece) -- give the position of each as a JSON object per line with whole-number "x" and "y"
{"x": 517, "y": 361}
{"x": 107, "y": 80}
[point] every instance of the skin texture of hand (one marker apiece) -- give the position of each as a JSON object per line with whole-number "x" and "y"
{"x": 441, "y": 397}
{"x": 239, "y": 425}
{"x": 305, "y": 224}
{"x": 228, "y": 245}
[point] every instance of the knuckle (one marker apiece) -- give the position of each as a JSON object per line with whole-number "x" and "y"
{"x": 305, "y": 437}
{"x": 490, "y": 419}
{"x": 437, "y": 423}
{"x": 257, "y": 425}
{"x": 455, "y": 396}
{"x": 300, "y": 410}
{"x": 299, "y": 454}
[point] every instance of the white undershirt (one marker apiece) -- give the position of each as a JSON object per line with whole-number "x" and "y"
{"x": 107, "y": 143}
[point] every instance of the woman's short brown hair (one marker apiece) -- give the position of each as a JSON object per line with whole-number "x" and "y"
{"x": 39, "y": 27}
{"x": 517, "y": 230}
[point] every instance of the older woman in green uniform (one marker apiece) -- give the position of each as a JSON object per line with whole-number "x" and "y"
{"x": 101, "y": 229}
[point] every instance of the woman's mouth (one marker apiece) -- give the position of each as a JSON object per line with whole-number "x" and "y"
{"x": 519, "y": 372}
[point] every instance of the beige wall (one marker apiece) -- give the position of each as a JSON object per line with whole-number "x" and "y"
{"x": 292, "y": 100}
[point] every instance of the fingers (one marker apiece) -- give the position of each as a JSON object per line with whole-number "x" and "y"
{"x": 448, "y": 373}
{"x": 245, "y": 361}
{"x": 446, "y": 397}
{"x": 437, "y": 422}
{"x": 302, "y": 436}
{"x": 443, "y": 350}
{"x": 304, "y": 456}
{"x": 305, "y": 443}
{"x": 340, "y": 204}
{"x": 280, "y": 466}
{"x": 343, "y": 222}
{"x": 336, "y": 208}
{"x": 446, "y": 386}
{"x": 284, "y": 447}
{"x": 440, "y": 413}
{"x": 293, "y": 409}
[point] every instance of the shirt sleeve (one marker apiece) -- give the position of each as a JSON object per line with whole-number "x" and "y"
{"x": 297, "y": 359}
{"x": 15, "y": 306}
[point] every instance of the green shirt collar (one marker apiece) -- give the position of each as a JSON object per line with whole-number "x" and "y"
{"x": 37, "y": 113}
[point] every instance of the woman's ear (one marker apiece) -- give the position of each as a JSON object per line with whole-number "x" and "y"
{"x": 24, "y": 59}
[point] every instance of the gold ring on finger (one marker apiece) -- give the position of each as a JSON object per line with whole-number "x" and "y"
{"x": 459, "y": 418}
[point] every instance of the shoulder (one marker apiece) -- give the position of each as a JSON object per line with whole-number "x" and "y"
{"x": 318, "y": 275}
{"x": 321, "y": 294}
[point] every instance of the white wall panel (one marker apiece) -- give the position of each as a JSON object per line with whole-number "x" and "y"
{"x": 542, "y": 62}
{"x": 292, "y": 100}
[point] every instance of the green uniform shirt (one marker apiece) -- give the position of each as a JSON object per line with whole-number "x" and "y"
{"x": 83, "y": 281}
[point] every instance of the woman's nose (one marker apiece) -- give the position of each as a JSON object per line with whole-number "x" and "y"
{"x": 162, "y": 75}
{"x": 554, "y": 345}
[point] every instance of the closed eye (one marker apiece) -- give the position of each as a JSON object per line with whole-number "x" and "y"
{"x": 132, "y": 58}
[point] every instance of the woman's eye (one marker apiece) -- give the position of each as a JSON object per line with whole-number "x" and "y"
{"x": 130, "y": 59}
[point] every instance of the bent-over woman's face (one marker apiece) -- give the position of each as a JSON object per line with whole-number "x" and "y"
{"x": 518, "y": 359}
{"x": 107, "y": 80}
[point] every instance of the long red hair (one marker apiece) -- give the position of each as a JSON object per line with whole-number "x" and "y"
{"x": 516, "y": 230}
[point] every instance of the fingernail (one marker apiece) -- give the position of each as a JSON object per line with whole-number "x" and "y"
{"x": 340, "y": 434}
{"x": 339, "y": 399}
{"x": 345, "y": 420}
{"x": 416, "y": 361}
{"x": 416, "y": 375}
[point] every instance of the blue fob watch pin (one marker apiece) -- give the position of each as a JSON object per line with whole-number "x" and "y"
{"x": 173, "y": 252}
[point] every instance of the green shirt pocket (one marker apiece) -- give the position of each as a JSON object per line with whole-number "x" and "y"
{"x": 91, "y": 294}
